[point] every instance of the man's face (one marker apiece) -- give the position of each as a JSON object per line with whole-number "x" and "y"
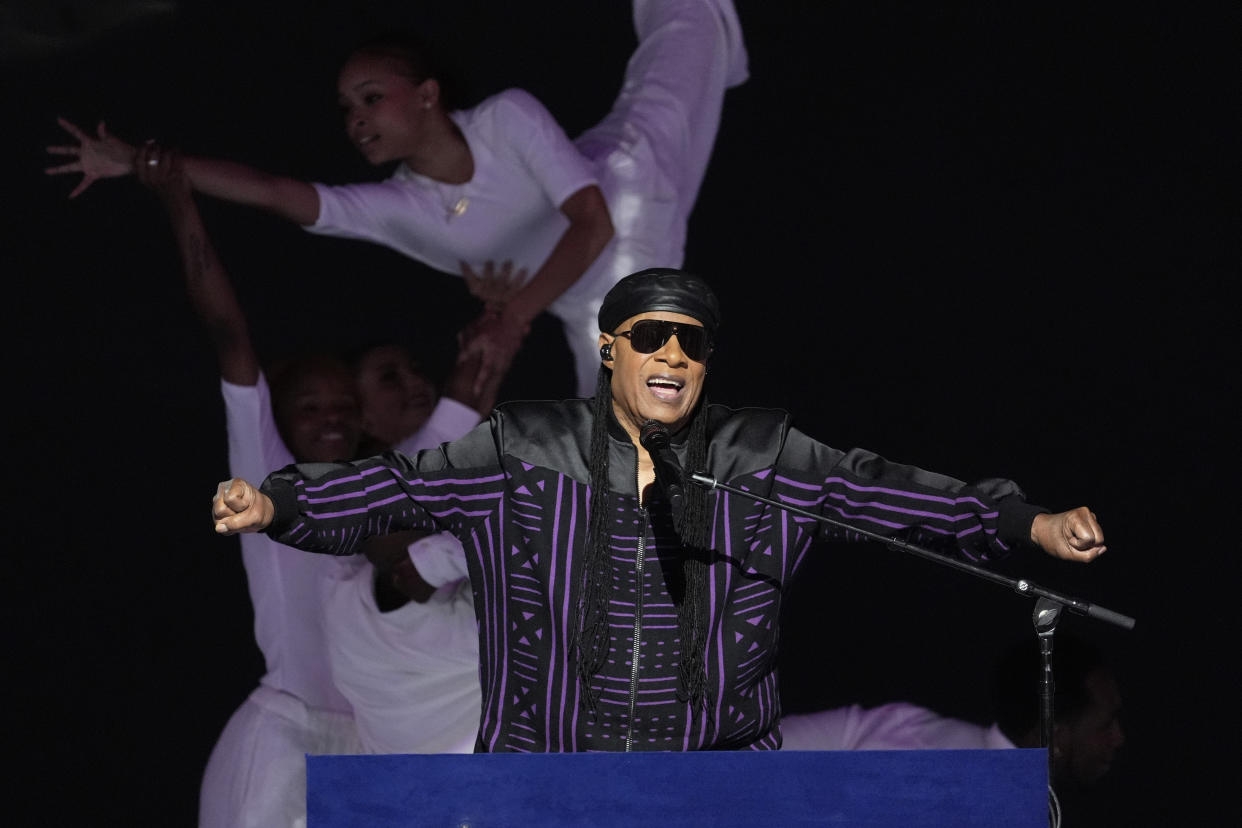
{"x": 1088, "y": 743}
{"x": 664, "y": 385}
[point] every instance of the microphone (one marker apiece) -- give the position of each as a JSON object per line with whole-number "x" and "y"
{"x": 653, "y": 436}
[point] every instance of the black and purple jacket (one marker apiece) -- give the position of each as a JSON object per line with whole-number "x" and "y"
{"x": 516, "y": 490}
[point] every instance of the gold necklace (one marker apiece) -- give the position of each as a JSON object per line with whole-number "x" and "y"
{"x": 453, "y": 207}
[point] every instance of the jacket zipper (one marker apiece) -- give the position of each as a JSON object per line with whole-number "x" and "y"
{"x": 638, "y": 629}
{"x": 638, "y": 615}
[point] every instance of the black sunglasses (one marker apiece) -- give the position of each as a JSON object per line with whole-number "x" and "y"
{"x": 650, "y": 335}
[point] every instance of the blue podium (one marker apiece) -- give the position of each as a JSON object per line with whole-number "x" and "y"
{"x": 950, "y": 788}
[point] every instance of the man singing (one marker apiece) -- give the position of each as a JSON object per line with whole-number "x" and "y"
{"x": 615, "y": 612}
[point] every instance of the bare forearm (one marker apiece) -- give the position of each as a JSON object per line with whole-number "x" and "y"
{"x": 288, "y": 198}
{"x": 589, "y": 231}
{"x": 212, "y": 295}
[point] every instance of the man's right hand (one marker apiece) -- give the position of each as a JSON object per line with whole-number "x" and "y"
{"x": 240, "y": 507}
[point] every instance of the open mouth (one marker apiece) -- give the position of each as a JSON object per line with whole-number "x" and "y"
{"x": 665, "y": 388}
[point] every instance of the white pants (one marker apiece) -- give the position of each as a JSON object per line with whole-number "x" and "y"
{"x": 256, "y": 776}
{"x": 651, "y": 151}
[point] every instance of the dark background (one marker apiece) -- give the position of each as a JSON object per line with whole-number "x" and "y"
{"x": 993, "y": 241}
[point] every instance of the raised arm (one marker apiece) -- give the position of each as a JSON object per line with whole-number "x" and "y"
{"x": 210, "y": 291}
{"x": 104, "y": 155}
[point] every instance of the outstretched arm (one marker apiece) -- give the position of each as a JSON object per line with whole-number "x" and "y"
{"x": 206, "y": 281}
{"x": 106, "y": 156}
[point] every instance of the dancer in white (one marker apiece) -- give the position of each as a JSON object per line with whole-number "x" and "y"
{"x": 893, "y": 726}
{"x": 501, "y": 181}
{"x": 256, "y": 775}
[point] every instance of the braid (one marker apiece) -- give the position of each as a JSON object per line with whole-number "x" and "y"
{"x": 694, "y": 528}
{"x": 591, "y": 639}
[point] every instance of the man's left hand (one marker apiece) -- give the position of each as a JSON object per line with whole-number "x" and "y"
{"x": 1074, "y": 535}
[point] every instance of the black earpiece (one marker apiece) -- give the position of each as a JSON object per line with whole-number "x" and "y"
{"x": 605, "y": 352}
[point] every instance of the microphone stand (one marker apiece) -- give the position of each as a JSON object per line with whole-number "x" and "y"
{"x": 1045, "y": 616}
{"x": 1047, "y": 612}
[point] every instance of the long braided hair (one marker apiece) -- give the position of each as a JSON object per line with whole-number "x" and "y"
{"x": 693, "y": 527}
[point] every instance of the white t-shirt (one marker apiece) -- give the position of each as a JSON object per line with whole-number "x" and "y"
{"x": 524, "y": 169}
{"x": 448, "y": 421}
{"x": 286, "y": 584}
{"x": 412, "y": 674}
{"x": 896, "y": 726}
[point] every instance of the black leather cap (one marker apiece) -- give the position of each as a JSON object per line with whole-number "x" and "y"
{"x": 660, "y": 289}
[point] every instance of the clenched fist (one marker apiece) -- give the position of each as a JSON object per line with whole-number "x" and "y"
{"x": 1074, "y": 535}
{"x": 240, "y": 507}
